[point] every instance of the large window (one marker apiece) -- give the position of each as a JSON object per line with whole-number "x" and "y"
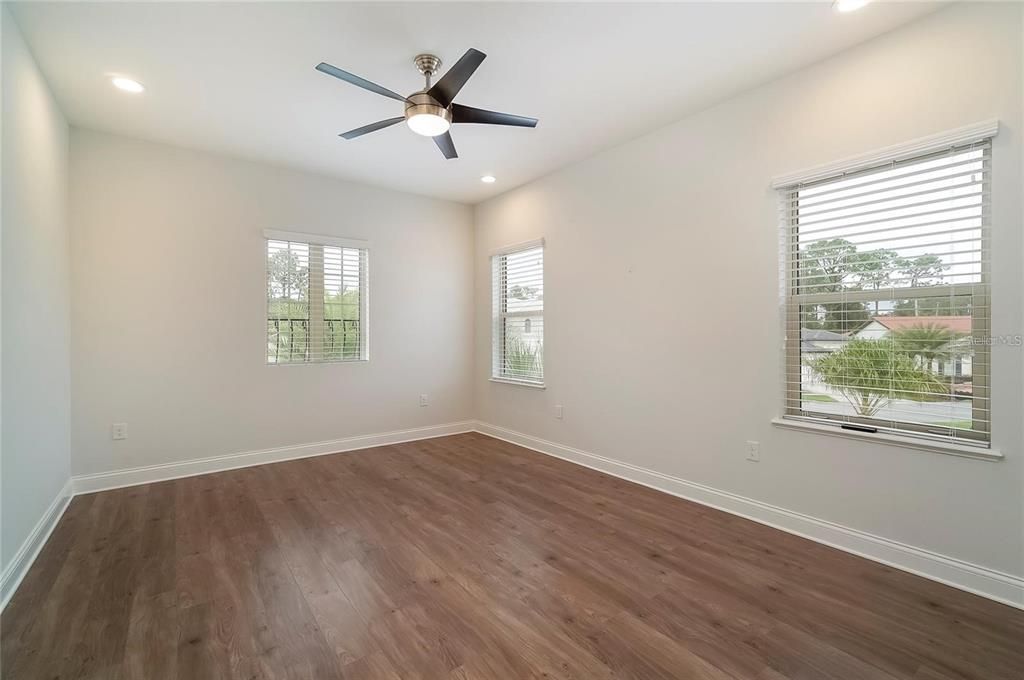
{"x": 886, "y": 273}
{"x": 316, "y": 299}
{"x": 518, "y": 336}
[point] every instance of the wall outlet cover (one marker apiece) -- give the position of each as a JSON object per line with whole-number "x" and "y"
{"x": 754, "y": 451}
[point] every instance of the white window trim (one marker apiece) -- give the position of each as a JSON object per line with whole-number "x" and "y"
{"x": 889, "y": 439}
{"x": 364, "y": 302}
{"x": 505, "y": 250}
{"x": 520, "y": 383}
{"x": 898, "y": 152}
{"x": 515, "y": 247}
{"x": 318, "y": 239}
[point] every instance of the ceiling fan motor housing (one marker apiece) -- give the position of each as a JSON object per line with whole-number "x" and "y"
{"x": 421, "y": 103}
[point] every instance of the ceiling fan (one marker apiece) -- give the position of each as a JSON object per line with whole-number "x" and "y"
{"x": 430, "y": 112}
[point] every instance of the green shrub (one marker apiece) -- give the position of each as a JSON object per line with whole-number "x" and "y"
{"x": 871, "y": 373}
{"x": 523, "y": 359}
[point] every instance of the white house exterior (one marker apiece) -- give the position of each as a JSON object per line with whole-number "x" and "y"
{"x": 959, "y": 363}
{"x": 814, "y": 343}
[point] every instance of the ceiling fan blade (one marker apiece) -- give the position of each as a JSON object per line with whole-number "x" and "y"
{"x": 372, "y": 127}
{"x": 356, "y": 80}
{"x": 468, "y": 114}
{"x": 446, "y": 145}
{"x": 444, "y": 90}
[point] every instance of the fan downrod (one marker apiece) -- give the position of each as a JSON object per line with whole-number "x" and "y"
{"x": 428, "y": 65}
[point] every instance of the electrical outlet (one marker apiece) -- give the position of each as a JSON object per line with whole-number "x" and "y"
{"x": 119, "y": 431}
{"x": 558, "y": 411}
{"x": 424, "y": 400}
{"x": 753, "y": 452}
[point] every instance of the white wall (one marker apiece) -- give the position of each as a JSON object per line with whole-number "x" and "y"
{"x": 35, "y": 302}
{"x": 662, "y": 302}
{"x": 169, "y": 307}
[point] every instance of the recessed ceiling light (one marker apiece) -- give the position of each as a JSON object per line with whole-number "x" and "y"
{"x": 848, "y": 5}
{"x": 127, "y": 84}
{"x": 488, "y": 179}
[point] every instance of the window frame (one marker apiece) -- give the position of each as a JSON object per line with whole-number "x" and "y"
{"x": 914, "y": 435}
{"x": 317, "y": 321}
{"x": 499, "y": 314}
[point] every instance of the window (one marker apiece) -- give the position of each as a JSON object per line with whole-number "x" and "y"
{"x": 886, "y": 278}
{"x": 517, "y": 276}
{"x": 316, "y": 299}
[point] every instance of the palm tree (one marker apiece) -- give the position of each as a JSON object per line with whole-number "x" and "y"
{"x": 871, "y": 373}
{"x": 925, "y": 342}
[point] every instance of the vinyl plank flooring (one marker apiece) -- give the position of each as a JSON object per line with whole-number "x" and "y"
{"x": 468, "y": 558}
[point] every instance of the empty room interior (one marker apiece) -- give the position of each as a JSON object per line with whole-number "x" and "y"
{"x": 501, "y": 340}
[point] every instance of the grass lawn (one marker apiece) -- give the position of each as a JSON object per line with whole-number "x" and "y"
{"x": 955, "y": 424}
{"x": 818, "y": 397}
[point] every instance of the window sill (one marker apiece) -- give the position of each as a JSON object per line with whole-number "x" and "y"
{"x": 920, "y": 444}
{"x": 332, "y": 362}
{"x": 520, "y": 383}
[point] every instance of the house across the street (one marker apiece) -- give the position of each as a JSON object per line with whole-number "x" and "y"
{"x": 957, "y": 355}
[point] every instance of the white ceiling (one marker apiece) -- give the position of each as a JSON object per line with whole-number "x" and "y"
{"x": 239, "y": 78}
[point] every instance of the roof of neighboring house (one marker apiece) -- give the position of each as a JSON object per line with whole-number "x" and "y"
{"x": 810, "y": 334}
{"x": 956, "y": 324}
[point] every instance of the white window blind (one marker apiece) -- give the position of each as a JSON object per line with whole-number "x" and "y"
{"x": 518, "y": 335}
{"x": 886, "y": 280}
{"x": 316, "y": 301}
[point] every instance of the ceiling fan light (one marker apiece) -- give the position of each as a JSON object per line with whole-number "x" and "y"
{"x": 428, "y": 124}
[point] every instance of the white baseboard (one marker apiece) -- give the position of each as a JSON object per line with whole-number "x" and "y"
{"x": 29, "y": 550}
{"x": 116, "y": 479}
{"x": 973, "y": 578}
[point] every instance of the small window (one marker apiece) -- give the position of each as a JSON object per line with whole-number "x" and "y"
{"x": 518, "y": 335}
{"x": 316, "y": 300}
{"x": 886, "y": 273}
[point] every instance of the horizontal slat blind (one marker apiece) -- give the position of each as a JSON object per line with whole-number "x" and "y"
{"x": 886, "y": 276}
{"x": 518, "y": 303}
{"x": 316, "y": 302}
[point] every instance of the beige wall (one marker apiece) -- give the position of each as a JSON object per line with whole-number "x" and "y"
{"x": 662, "y": 295}
{"x": 169, "y": 307}
{"x": 35, "y": 345}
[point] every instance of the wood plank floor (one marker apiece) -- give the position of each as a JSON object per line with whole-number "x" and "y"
{"x": 467, "y": 558}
